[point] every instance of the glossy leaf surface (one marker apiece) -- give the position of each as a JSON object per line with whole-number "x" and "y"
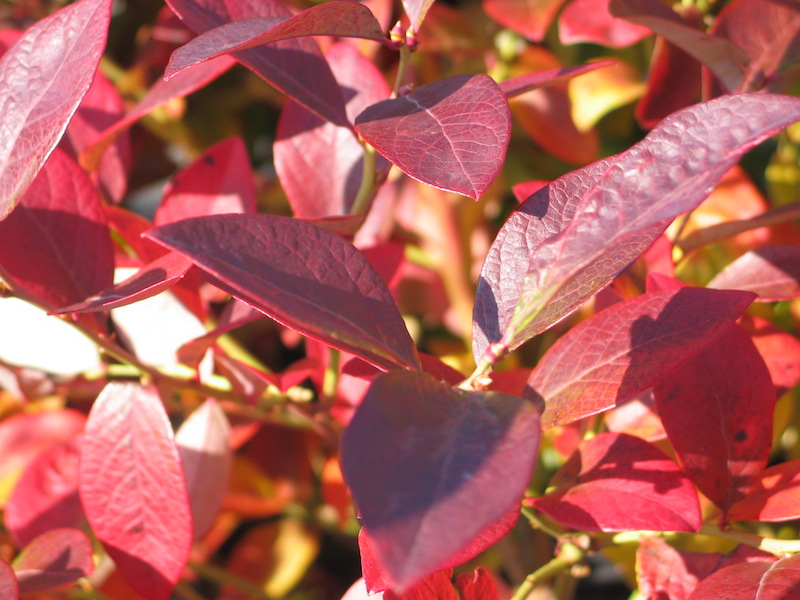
{"x": 133, "y": 490}
{"x": 720, "y": 427}
{"x": 43, "y": 78}
{"x": 617, "y": 482}
{"x": 54, "y": 558}
{"x": 572, "y": 237}
{"x": 772, "y": 272}
{"x": 300, "y": 275}
{"x": 431, "y": 467}
{"x": 591, "y": 21}
{"x": 294, "y": 66}
{"x": 627, "y": 348}
{"x": 342, "y": 18}
{"x": 775, "y": 497}
{"x": 451, "y": 134}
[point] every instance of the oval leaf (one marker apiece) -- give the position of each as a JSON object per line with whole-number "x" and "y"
{"x": 451, "y": 134}
{"x": 432, "y": 467}
{"x": 570, "y": 239}
{"x": 617, "y": 482}
{"x": 627, "y": 348}
{"x": 300, "y": 275}
{"x": 745, "y": 581}
{"x": 204, "y": 446}
{"x": 341, "y": 18}
{"x": 43, "y": 78}
{"x": 132, "y": 488}
{"x": 775, "y": 497}
{"x": 54, "y": 558}
{"x": 772, "y": 272}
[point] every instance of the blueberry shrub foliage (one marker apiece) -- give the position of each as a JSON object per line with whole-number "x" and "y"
{"x": 342, "y": 300}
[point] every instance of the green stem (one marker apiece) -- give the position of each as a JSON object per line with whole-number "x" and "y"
{"x": 771, "y": 545}
{"x": 569, "y": 555}
{"x": 330, "y": 380}
{"x": 368, "y": 177}
{"x": 402, "y": 69}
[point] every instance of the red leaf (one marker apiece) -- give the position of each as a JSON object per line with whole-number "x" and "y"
{"x": 133, "y": 490}
{"x": 662, "y": 571}
{"x": 294, "y": 66}
{"x": 451, "y": 134}
{"x": 43, "y": 77}
{"x": 60, "y": 212}
{"x": 9, "y": 589}
{"x": 152, "y": 279}
{"x": 721, "y": 426}
{"x": 530, "y": 18}
{"x": 219, "y": 182}
{"x": 775, "y": 497}
{"x": 477, "y": 585}
{"x": 54, "y": 558}
{"x": 780, "y": 351}
{"x": 526, "y": 83}
{"x": 301, "y": 276}
{"x": 306, "y": 144}
{"x": 617, "y": 482}
{"x": 204, "y": 447}
{"x": 573, "y": 237}
{"x": 591, "y": 21}
{"x": 627, "y": 348}
{"x": 46, "y": 496}
{"x": 772, "y": 272}
{"x": 765, "y": 581}
{"x": 342, "y": 18}
{"x": 431, "y": 468}
{"x": 726, "y": 60}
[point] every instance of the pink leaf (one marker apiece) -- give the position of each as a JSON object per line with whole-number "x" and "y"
{"x": 432, "y": 467}
{"x": 204, "y": 447}
{"x": 591, "y": 21}
{"x": 772, "y": 272}
{"x": 726, "y": 60}
{"x": 9, "y": 589}
{"x": 530, "y": 18}
{"x": 526, "y": 83}
{"x": 617, "y": 482}
{"x": 570, "y": 239}
{"x": 54, "y": 558}
{"x": 415, "y": 11}
{"x": 342, "y": 18}
{"x": 720, "y": 427}
{"x": 302, "y": 276}
{"x": 775, "y": 497}
{"x": 662, "y": 571}
{"x": 46, "y": 496}
{"x": 219, "y": 182}
{"x": 61, "y": 211}
{"x": 627, "y": 348}
{"x": 43, "y": 78}
{"x": 294, "y": 66}
{"x": 451, "y": 134}
{"x": 306, "y": 144}
{"x": 133, "y": 490}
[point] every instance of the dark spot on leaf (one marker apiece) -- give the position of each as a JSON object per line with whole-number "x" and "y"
{"x": 740, "y": 436}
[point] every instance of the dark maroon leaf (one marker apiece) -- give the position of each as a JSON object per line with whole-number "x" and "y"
{"x": 60, "y": 212}
{"x": 295, "y": 66}
{"x": 451, "y": 134}
{"x": 720, "y": 427}
{"x": 526, "y": 83}
{"x": 148, "y": 281}
{"x": 627, "y": 348}
{"x": 133, "y": 490}
{"x": 726, "y": 60}
{"x": 772, "y": 272}
{"x": 617, "y": 482}
{"x": 433, "y": 467}
{"x": 591, "y": 21}
{"x": 219, "y": 182}
{"x": 775, "y": 497}
{"x": 54, "y": 558}
{"x": 306, "y": 144}
{"x": 343, "y": 18}
{"x": 571, "y": 238}
{"x": 530, "y": 18}
{"x": 46, "y": 496}
{"x": 300, "y": 275}
{"x": 43, "y": 78}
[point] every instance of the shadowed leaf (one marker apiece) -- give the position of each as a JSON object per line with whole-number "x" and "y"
{"x": 52, "y": 559}
{"x": 772, "y": 272}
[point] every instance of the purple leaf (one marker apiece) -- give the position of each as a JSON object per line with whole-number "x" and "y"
{"x": 300, "y": 275}
{"x": 526, "y": 83}
{"x": 43, "y": 78}
{"x": 627, "y": 348}
{"x": 432, "y": 467}
{"x": 295, "y": 66}
{"x": 726, "y": 60}
{"x": 570, "y": 239}
{"x": 52, "y": 559}
{"x": 451, "y": 134}
{"x": 343, "y": 18}
{"x": 772, "y": 272}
